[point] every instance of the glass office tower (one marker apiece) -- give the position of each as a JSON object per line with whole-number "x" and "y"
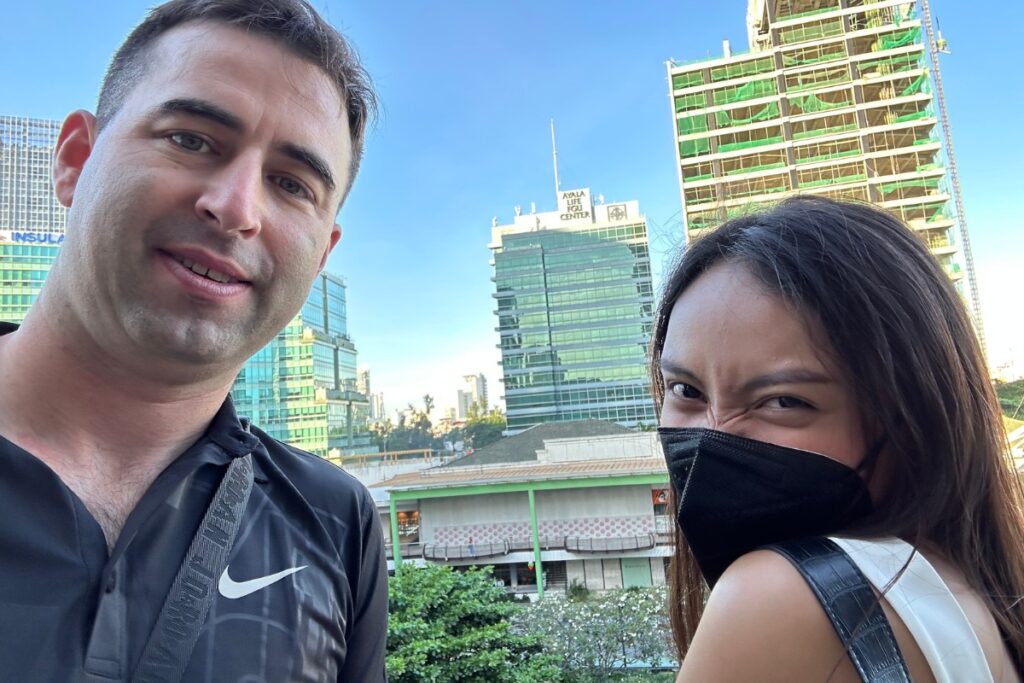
{"x": 301, "y": 387}
{"x": 575, "y": 310}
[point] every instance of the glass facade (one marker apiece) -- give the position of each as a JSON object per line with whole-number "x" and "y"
{"x": 301, "y": 387}
{"x": 32, "y": 221}
{"x": 575, "y": 310}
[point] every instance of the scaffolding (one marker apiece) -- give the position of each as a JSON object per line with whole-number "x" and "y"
{"x": 835, "y": 99}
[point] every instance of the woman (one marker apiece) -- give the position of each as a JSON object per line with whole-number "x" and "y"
{"x": 820, "y": 344}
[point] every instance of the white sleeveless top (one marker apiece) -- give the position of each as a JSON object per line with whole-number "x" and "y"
{"x": 926, "y": 605}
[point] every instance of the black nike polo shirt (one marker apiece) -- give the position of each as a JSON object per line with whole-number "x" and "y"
{"x": 305, "y": 592}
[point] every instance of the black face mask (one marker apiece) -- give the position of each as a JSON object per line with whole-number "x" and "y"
{"x": 737, "y": 494}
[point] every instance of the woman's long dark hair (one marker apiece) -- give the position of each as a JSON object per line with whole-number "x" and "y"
{"x": 900, "y": 331}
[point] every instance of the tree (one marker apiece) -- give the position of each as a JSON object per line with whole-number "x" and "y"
{"x": 428, "y": 404}
{"x": 381, "y": 432}
{"x": 454, "y": 627}
{"x": 602, "y": 637}
{"x": 1011, "y": 398}
{"x": 482, "y": 427}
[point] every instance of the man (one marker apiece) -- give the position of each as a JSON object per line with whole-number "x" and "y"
{"x": 147, "y": 533}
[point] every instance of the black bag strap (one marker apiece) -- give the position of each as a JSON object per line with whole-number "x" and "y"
{"x": 169, "y": 649}
{"x": 851, "y": 605}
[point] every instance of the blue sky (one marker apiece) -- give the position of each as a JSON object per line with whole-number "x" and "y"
{"x": 468, "y": 88}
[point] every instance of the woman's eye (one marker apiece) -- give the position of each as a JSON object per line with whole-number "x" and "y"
{"x": 786, "y": 402}
{"x": 192, "y": 143}
{"x": 681, "y": 390}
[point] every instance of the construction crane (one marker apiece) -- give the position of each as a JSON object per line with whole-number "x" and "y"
{"x": 937, "y": 44}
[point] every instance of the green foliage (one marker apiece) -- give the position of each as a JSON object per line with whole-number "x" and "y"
{"x": 1011, "y": 398}
{"x": 483, "y": 427}
{"x": 577, "y": 591}
{"x": 450, "y": 626}
{"x": 605, "y": 637}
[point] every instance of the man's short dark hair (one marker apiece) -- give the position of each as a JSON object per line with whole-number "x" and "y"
{"x": 293, "y": 23}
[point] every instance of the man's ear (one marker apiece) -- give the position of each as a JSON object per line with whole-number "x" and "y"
{"x": 335, "y": 236}
{"x": 74, "y": 145}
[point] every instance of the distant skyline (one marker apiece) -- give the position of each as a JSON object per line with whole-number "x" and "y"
{"x": 468, "y": 89}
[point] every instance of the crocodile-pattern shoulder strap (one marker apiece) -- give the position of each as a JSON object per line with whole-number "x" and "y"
{"x": 851, "y": 605}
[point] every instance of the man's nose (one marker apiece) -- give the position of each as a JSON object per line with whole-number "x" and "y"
{"x": 233, "y": 197}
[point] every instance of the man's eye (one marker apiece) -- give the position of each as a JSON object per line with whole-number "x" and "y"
{"x": 192, "y": 143}
{"x": 681, "y": 390}
{"x": 292, "y": 186}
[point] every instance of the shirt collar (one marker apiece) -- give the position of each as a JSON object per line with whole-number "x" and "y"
{"x": 231, "y": 434}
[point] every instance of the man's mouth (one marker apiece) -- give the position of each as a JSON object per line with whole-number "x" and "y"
{"x": 208, "y": 273}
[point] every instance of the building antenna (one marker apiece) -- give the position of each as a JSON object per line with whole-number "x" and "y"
{"x": 554, "y": 157}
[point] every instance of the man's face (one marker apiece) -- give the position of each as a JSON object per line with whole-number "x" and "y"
{"x": 206, "y": 205}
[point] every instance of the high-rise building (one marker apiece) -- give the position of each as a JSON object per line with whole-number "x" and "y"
{"x": 834, "y": 97}
{"x": 377, "y": 411}
{"x": 32, "y": 221}
{"x": 575, "y": 310}
{"x": 301, "y": 387}
{"x": 475, "y": 392}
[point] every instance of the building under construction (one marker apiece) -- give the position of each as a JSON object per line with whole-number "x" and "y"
{"x": 834, "y": 97}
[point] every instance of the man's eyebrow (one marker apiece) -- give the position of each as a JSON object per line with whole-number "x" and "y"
{"x": 201, "y": 108}
{"x": 211, "y": 112}
{"x": 311, "y": 159}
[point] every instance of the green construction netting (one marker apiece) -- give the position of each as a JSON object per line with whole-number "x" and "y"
{"x": 919, "y": 85}
{"x": 687, "y": 80}
{"x": 812, "y": 103}
{"x": 930, "y": 167}
{"x": 839, "y": 52}
{"x": 930, "y": 183}
{"x": 828, "y": 157}
{"x": 834, "y": 181}
{"x": 888, "y": 65}
{"x": 752, "y": 169}
{"x": 913, "y": 116}
{"x": 693, "y": 124}
{"x": 733, "y": 146}
{"x": 939, "y": 215}
{"x": 824, "y": 131}
{"x": 691, "y": 148}
{"x": 815, "y": 79}
{"x": 798, "y": 34}
{"x": 926, "y": 141}
{"x": 687, "y": 102}
{"x": 809, "y": 13}
{"x": 751, "y": 68}
{"x": 725, "y": 119}
{"x": 899, "y": 38}
{"x": 705, "y": 176}
{"x": 747, "y": 91}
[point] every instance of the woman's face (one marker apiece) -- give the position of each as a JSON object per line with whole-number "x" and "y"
{"x": 739, "y": 359}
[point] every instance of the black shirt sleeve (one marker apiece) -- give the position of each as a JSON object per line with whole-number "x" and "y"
{"x": 367, "y": 635}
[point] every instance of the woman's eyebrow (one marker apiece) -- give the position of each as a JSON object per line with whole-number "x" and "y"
{"x": 791, "y": 376}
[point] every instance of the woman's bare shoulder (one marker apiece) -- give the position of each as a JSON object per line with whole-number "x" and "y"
{"x": 762, "y": 622}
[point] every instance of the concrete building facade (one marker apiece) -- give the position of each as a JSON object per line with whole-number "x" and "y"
{"x": 32, "y": 221}
{"x": 576, "y": 501}
{"x": 833, "y": 97}
{"x": 575, "y": 310}
{"x": 475, "y": 392}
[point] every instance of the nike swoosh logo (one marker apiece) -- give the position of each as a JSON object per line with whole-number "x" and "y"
{"x": 232, "y": 590}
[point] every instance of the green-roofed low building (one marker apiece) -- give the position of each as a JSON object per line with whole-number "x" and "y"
{"x": 583, "y": 501}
